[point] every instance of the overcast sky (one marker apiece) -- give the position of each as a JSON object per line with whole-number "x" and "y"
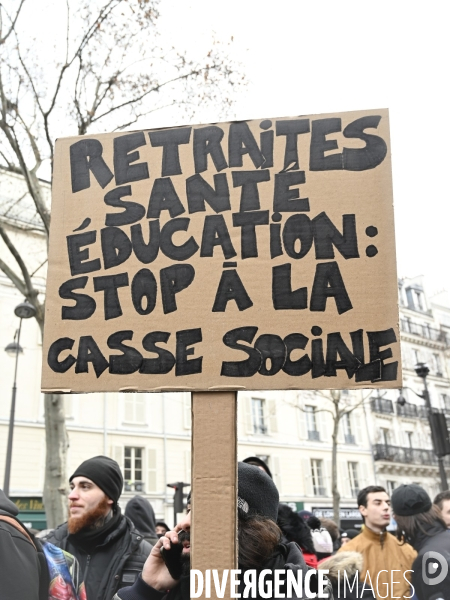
{"x": 311, "y": 56}
{"x": 306, "y": 57}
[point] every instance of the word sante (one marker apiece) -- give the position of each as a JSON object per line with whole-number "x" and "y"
{"x": 269, "y": 584}
{"x": 267, "y": 354}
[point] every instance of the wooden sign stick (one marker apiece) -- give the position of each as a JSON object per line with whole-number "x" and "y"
{"x": 214, "y": 483}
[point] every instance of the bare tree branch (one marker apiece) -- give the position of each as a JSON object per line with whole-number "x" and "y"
{"x": 153, "y": 89}
{"x": 20, "y": 285}
{"x": 26, "y": 276}
{"x": 39, "y": 267}
{"x": 13, "y": 23}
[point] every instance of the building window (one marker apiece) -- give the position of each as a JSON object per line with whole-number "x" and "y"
{"x": 317, "y": 477}
{"x": 409, "y": 437}
{"x": 385, "y": 436}
{"x": 445, "y": 400}
{"x": 259, "y": 425}
{"x": 390, "y": 485}
{"x": 418, "y": 300}
{"x": 311, "y": 423}
{"x": 416, "y": 356}
{"x": 354, "y": 478}
{"x": 133, "y": 469}
{"x": 348, "y": 433}
{"x": 436, "y": 359}
{"x": 134, "y": 407}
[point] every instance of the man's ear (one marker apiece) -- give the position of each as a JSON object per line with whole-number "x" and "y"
{"x": 363, "y": 510}
{"x": 109, "y": 501}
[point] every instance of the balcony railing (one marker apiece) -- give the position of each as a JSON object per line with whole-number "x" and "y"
{"x": 382, "y": 405}
{"x": 412, "y": 411}
{"x": 350, "y": 438}
{"x": 425, "y": 331}
{"x": 314, "y": 435}
{"x": 134, "y": 486}
{"x": 410, "y": 456}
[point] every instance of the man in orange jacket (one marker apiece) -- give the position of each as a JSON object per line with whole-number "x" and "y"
{"x": 387, "y": 563}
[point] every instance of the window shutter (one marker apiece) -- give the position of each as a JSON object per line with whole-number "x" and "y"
{"x": 393, "y": 438}
{"x": 307, "y": 476}
{"x": 276, "y": 471}
{"x": 322, "y": 425}
{"x": 365, "y": 473}
{"x": 140, "y": 405}
{"x": 248, "y": 415}
{"x": 68, "y": 406}
{"x": 358, "y": 476}
{"x": 151, "y": 470}
{"x": 187, "y": 415}
{"x": 356, "y": 420}
{"x": 301, "y": 423}
{"x": 128, "y": 407}
{"x": 117, "y": 454}
{"x": 272, "y": 416}
{"x": 344, "y": 483}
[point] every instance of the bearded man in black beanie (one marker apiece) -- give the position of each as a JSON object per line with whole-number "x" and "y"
{"x": 167, "y": 577}
{"x": 111, "y": 552}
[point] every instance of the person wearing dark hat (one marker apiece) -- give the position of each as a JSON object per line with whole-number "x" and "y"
{"x": 419, "y": 523}
{"x": 387, "y": 563}
{"x": 305, "y": 514}
{"x": 142, "y": 515}
{"x": 347, "y": 535}
{"x": 258, "y": 462}
{"x": 259, "y": 536}
{"x": 161, "y": 528}
{"x": 110, "y": 550}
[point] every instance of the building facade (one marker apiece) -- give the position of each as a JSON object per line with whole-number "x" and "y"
{"x": 379, "y": 439}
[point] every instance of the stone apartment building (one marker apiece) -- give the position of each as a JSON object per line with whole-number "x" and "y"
{"x": 149, "y": 434}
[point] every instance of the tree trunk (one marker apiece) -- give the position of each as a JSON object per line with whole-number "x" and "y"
{"x": 56, "y": 445}
{"x": 334, "y": 487}
{"x": 55, "y": 484}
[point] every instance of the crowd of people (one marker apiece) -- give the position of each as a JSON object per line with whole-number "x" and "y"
{"x": 101, "y": 553}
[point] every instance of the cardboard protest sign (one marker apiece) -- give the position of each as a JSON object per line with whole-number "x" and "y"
{"x": 242, "y": 255}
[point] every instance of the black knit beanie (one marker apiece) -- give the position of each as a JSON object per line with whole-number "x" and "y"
{"x": 408, "y": 500}
{"x": 257, "y": 462}
{"x": 104, "y": 472}
{"x": 257, "y": 493}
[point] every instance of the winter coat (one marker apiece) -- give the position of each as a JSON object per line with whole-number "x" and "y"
{"x": 344, "y": 569}
{"x": 289, "y": 557}
{"x": 294, "y": 528}
{"x": 386, "y": 558}
{"x": 112, "y": 564}
{"x": 437, "y": 541}
{"x": 23, "y": 567}
{"x": 141, "y": 513}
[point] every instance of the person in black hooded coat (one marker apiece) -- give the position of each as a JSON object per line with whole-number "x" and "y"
{"x": 294, "y": 529}
{"x": 141, "y": 513}
{"x": 419, "y": 523}
{"x": 23, "y": 567}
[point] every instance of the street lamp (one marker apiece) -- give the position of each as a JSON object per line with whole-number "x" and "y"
{"x": 422, "y": 371}
{"x": 24, "y": 310}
